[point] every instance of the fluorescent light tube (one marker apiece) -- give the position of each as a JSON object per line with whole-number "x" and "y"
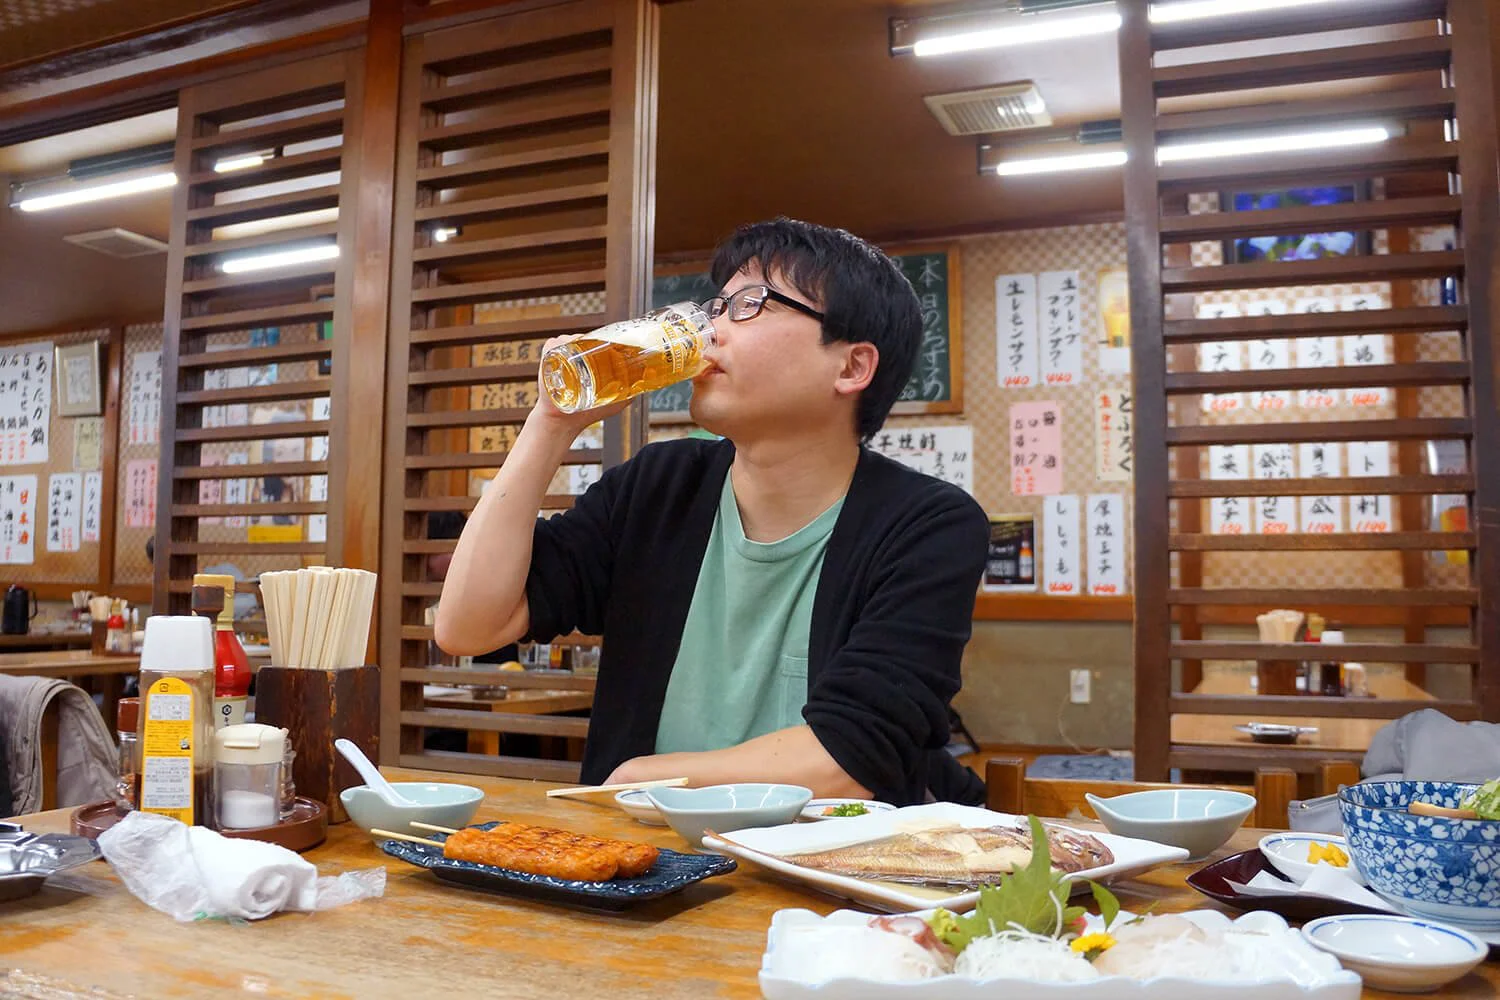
{"x": 1279, "y": 143}
{"x": 1057, "y": 164}
{"x": 244, "y": 162}
{"x": 1044, "y": 28}
{"x": 98, "y": 192}
{"x": 1193, "y": 10}
{"x": 280, "y": 258}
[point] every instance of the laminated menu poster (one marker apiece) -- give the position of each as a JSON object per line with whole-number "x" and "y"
{"x": 1061, "y": 547}
{"x": 18, "y": 520}
{"x": 1016, "y": 347}
{"x": 1061, "y": 333}
{"x": 144, "y": 395}
{"x": 93, "y": 504}
{"x": 1036, "y": 449}
{"x": 946, "y": 453}
{"x": 140, "y": 493}
{"x": 1010, "y": 566}
{"x": 25, "y": 404}
{"x": 64, "y": 509}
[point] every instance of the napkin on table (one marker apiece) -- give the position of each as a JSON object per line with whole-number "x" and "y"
{"x": 1324, "y": 881}
{"x": 192, "y": 873}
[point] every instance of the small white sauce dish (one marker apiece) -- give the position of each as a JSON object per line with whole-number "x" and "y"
{"x": 817, "y": 809}
{"x": 1199, "y": 820}
{"x": 1400, "y": 954}
{"x": 726, "y": 808}
{"x": 637, "y": 805}
{"x": 1288, "y": 853}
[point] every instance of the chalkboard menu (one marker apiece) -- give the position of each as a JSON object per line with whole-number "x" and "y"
{"x": 936, "y": 384}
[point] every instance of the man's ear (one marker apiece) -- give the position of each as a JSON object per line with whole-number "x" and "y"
{"x": 859, "y": 368}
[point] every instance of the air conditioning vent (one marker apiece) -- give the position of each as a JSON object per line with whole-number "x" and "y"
{"x": 1007, "y": 108}
{"x": 117, "y": 242}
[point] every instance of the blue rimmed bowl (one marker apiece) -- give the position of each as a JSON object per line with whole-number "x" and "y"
{"x": 1436, "y": 867}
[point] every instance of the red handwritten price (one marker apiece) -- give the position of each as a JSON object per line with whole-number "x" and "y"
{"x": 1274, "y": 528}
{"x": 1017, "y": 381}
{"x": 1320, "y": 529}
{"x": 1059, "y": 378}
{"x": 1366, "y": 398}
{"x": 1059, "y": 588}
{"x": 1224, "y": 404}
{"x": 1105, "y": 588}
{"x": 1371, "y": 527}
{"x": 1231, "y": 529}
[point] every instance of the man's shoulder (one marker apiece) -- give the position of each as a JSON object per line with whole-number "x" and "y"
{"x": 892, "y": 482}
{"x": 668, "y": 457}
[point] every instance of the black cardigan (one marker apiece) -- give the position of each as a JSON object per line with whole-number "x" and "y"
{"x": 891, "y": 615}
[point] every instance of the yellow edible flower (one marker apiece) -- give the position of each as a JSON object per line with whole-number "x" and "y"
{"x": 1330, "y": 853}
{"x": 1091, "y": 946}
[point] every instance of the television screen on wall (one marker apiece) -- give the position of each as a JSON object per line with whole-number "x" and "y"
{"x": 1293, "y": 246}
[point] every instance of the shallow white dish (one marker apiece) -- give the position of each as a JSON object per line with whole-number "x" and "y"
{"x": 1198, "y": 820}
{"x": 1403, "y": 954}
{"x": 692, "y": 812}
{"x": 814, "y": 809}
{"x": 1132, "y": 857}
{"x": 637, "y": 805}
{"x": 1287, "y": 853}
{"x": 1293, "y": 970}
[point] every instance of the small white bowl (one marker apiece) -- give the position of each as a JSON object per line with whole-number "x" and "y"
{"x": 1199, "y": 820}
{"x": 814, "y": 809}
{"x": 436, "y": 802}
{"x": 1401, "y": 954}
{"x": 726, "y": 808}
{"x": 637, "y": 805}
{"x": 1287, "y": 853}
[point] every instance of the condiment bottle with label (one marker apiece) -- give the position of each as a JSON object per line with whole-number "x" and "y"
{"x": 127, "y": 728}
{"x": 213, "y": 598}
{"x": 177, "y": 728}
{"x": 1330, "y": 679}
{"x": 115, "y": 636}
{"x": 247, "y": 775}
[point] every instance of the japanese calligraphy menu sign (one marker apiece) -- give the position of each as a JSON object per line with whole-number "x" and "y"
{"x": 1229, "y": 515}
{"x": 1317, "y": 352}
{"x": 64, "y": 508}
{"x": 1114, "y": 456}
{"x": 1061, "y": 550}
{"x": 1365, "y": 349}
{"x": 25, "y": 404}
{"x": 1269, "y": 355}
{"x": 1061, "y": 328}
{"x": 946, "y": 453}
{"x": 1036, "y": 449}
{"x": 145, "y": 397}
{"x": 1220, "y": 357}
{"x": 140, "y": 493}
{"x": 1274, "y": 515}
{"x": 93, "y": 504}
{"x": 1106, "y": 544}
{"x": 1321, "y": 515}
{"x": 1370, "y": 514}
{"x": 1016, "y": 347}
{"x": 17, "y": 519}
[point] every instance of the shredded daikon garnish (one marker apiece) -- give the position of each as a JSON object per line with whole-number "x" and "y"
{"x": 1013, "y": 954}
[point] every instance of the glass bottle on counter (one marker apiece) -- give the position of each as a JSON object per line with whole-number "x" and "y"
{"x": 177, "y": 719}
{"x": 1330, "y": 672}
{"x": 213, "y": 598}
{"x": 115, "y": 637}
{"x": 127, "y": 729}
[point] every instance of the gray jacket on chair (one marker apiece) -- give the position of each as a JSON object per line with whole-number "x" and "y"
{"x": 87, "y": 759}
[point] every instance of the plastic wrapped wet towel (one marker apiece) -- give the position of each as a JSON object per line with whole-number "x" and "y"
{"x": 192, "y": 873}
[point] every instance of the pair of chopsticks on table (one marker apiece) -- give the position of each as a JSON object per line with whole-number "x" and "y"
{"x": 392, "y": 835}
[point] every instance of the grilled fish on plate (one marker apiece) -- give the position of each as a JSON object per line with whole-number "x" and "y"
{"x": 954, "y": 855}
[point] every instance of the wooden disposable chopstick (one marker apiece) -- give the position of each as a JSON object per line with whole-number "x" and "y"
{"x": 429, "y": 826}
{"x": 406, "y": 837}
{"x": 583, "y": 791}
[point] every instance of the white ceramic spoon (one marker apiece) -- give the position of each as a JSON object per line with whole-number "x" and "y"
{"x": 372, "y": 776}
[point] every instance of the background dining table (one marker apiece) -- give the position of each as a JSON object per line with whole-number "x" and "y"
{"x": 85, "y": 935}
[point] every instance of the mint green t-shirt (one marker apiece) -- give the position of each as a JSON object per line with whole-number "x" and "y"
{"x": 741, "y": 671}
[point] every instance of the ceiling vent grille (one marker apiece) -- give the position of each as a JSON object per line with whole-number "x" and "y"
{"x": 1007, "y": 108}
{"x": 117, "y": 242}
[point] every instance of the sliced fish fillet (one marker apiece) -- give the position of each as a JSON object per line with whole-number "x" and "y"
{"x": 955, "y": 855}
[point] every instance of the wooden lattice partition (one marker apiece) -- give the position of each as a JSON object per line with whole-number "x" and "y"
{"x": 1426, "y": 70}
{"x": 248, "y": 350}
{"x": 523, "y": 211}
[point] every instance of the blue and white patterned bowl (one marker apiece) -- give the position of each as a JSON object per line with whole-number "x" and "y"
{"x": 1445, "y": 869}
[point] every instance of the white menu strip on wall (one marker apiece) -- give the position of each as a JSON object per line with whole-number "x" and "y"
{"x": 1274, "y": 515}
{"x": 1106, "y": 544}
{"x": 1229, "y": 515}
{"x": 1321, "y": 515}
{"x": 1061, "y": 549}
{"x": 93, "y": 504}
{"x": 1016, "y": 352}
{"x": 1061, "y": 328}
{"x": 1370, "y": 514}
{"x": 1220, "y": 357}
{"x": 64, "y": 505}
{"x": 18, "y": 520}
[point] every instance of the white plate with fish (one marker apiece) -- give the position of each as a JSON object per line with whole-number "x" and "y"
{"x": 924, "y": 856}
{"x": 1201, "y": 955}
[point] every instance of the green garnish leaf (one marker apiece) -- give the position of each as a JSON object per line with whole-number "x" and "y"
{"x": 847, "y": 809}
{"x": 1109, "y": 906}
{"x": 1486, "y": 801}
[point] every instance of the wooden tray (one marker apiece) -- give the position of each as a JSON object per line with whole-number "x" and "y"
{"x": 307, "y": 827}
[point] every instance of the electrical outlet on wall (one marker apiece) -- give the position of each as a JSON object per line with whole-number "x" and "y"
{"x": 1079, "y": 686}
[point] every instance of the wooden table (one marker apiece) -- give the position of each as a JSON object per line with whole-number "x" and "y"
{"x": 85, "y": 932}
{"x": 108, "y": 672}
{"x": 524, "y": 701}
{"x": 1332, "y": 734}
{"x": 34, "y": 641}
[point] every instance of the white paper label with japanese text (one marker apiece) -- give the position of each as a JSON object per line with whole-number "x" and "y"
{"x": 1274, "y": 515}
{"x": 1061, "y": 550}
{"x": 1016, "y": 345}
{"x": 1321, "y": 515}
{"x": 144, "y": 397}
{"x": 1106, "y": 543}
{"x": 1369, "y": 514}
{"x": 1365, "y": 349}
{"x": 64, "y": 507}
{"x": 946, "y": 453}
{"x": 140, "y": 493}
{"x": 1036, "y": 449}
{"x": 25, "y": 404}
{"x": 93, "y": 504}
{"x": 18, "y": 520}
{"x": 1317, "y": 352}
{"x": 1114, "y": 457}
{"x": 1269, "y": 355}
{"x": 1061, "y": 328}
{"x": 1229, "y": 515}
{"x": 1220, "y": 357}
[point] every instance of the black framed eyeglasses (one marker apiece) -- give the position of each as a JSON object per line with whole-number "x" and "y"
{"x": 747, "y": 303}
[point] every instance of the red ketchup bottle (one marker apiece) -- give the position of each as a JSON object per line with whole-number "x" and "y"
{"x": 213, "y": 597}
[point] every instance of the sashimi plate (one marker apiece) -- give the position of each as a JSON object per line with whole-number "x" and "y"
{"x": 767, "y": 846}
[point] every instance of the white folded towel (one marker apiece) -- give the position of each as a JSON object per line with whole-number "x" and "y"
{"x": 193, "y": 873}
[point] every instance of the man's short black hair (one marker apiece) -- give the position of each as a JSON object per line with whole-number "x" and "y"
{"x": 445, "y": 524}
{"x": 861, "y": 292}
